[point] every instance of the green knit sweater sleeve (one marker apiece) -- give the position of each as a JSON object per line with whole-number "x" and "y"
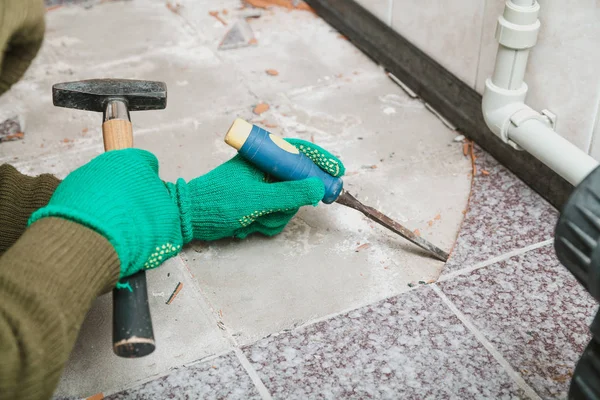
{"x": 48, "y": 280}
{"x": 20, "y": 196}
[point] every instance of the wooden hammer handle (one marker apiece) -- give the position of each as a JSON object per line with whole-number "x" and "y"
{"x": 118, "y": 134}
{"x": 133, "y": 336}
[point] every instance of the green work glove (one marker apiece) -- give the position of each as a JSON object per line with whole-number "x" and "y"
{"x": 120, "y": 195}
{"x": 21, "y": 35}
{"x": 236, "y": 199}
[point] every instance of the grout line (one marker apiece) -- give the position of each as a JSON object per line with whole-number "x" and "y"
{"x": 494, "y": 260}
{"x": 595, "y": 123}
{"x": 390, "y": 20}
{"x": 258, "y": 383}
{"x": 483, "y": 6}
{"x": 206, "y": 302}
{"x": 488, "y": 346}
{"x": 171, "y": 370}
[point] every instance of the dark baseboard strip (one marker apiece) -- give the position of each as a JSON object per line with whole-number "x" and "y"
{"x": 448, "y": 95}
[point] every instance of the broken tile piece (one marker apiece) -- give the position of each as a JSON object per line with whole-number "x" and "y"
{"x": 215, "y": 14}
{"x": 289, "y": 4}
{"x": 363, "y": 246}
{"x": 11, "y": 130}
{"x": 261, "y": 108}
{"x": 240, "y": 35}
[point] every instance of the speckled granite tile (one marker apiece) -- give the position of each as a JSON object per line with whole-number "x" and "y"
{"x": 504, "y": 214}
{"x": 533, "y": 311}
{"x": 410, "y": 346}
{"x": 221, "y": 378}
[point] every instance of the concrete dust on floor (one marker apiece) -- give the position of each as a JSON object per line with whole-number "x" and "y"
{"x": 400, "y": 159}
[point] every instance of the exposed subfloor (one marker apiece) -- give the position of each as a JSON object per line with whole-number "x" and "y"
{"x": 310, "y": 313}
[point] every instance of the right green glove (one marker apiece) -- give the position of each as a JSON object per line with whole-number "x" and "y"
{"x": 236, "y": 199}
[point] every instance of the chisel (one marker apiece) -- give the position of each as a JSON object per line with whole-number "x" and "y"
{"x": 282, "y": 160}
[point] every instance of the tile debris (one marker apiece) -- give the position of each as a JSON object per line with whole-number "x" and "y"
{"x": 175, "y": 293}
{"x": 11, "y": 130}
{"x": 215, "y": 14}
{"x": 239, "y": 35}
{"x": 363, "y": 246}
{"x": 261, "y": 108}
{"x": 469, "y": 150}
{"x": 289, "y": 4}
{"x": 174, "y": 7}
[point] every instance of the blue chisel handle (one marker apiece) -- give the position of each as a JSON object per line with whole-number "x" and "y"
{"x": 276, "y": 157}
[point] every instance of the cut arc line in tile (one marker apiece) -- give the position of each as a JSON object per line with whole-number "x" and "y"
{"x": 495, "y": 260}
{"x": 487, "y": 345}
{"x": 258, "y": 383}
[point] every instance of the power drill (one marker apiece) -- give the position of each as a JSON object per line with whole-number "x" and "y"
{"x": 577, "y": 245}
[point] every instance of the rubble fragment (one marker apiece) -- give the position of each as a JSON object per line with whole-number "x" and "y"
{"x": 174, "y": 6}
{"x": 362, "y": 247}
{"x": 175, "y": 293}
{"x": 239, "y": 35}
{"x": 215, "y": 14}
{"x": 289, "y": 4}
{"x": 10, "y": 129}
{"x": 261, "y": 108}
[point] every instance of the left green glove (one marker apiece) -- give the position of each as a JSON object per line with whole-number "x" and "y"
{"x": 119, "y": 195}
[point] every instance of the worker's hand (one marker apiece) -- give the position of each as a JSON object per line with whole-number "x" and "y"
{"x": 21, "y": 34}
{"x": 236, "y": 199}
{"x": 120, "y": 195}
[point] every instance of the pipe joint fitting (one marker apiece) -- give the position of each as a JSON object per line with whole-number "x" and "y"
{"x": 527, "y": 113}
{"x": 519, "y": 26}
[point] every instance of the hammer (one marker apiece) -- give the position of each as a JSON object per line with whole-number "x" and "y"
{"x": 133, "y": 336}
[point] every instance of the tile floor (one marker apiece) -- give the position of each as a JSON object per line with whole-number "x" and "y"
{"x": 505, "y": 322}
{"x": 315, "y": 319}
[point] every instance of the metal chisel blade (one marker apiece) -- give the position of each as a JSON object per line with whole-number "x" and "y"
{"x": 348, "y": 200}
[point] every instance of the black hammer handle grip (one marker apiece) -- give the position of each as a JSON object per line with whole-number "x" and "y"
{"x": 132, "y": 325}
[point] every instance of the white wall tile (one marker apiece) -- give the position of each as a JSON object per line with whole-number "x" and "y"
{"x": 449, "y": 31}
{"x": 562, "y": 73}
{"x": 380, "y": 8}
{"x": 595, "y": 146}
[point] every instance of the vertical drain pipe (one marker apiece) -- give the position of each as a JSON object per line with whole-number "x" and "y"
{"x": 504, "y": 108}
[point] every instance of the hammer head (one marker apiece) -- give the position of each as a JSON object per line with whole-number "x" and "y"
{"x": 94, "y": 94}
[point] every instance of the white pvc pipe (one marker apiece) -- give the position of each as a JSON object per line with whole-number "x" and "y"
{"x": 556, "y": 152}
{"x": 510, "y": 68}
